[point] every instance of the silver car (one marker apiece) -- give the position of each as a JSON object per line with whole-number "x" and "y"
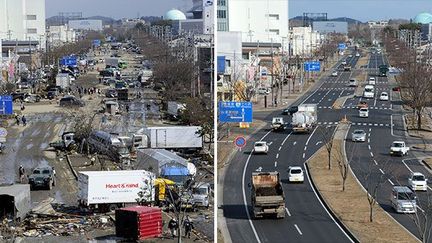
{"x": 358, "y": 136}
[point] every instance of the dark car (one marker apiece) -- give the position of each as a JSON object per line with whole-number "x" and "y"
{"x": 18, "y": 96}
{"x": 51, "y": 95}
{"x": 291, "y": 110}
{"x": 42, "y": 177}
{"x": 111, "y": 93}
{"x": 106, "y": 73}
{"x": 71, "y": 100}
{"x": 396, "y": 89}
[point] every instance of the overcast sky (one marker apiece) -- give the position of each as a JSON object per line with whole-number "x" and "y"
{"x": 116, "y": 8}
{"x": 362, "y": 10}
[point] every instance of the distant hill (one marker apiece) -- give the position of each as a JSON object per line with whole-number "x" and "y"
{"x": 57, "y": 20}
{"x": 350, "y": 21}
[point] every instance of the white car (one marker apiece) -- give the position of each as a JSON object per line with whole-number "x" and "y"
{"x": 364, "y": 112}
{"x": 357, "y": 54}
{"x": 384, "y": 96}
{"x": 261, "y": 147}
{"x": 350, "y": 55}
{"x": 417, "y": 181}
{"x": 358, "y": 136}
{"x": 372, "y": 81}
{"x": 344, "y": 63}
{"x": 334, "y": 74}
{"x": 295, "y": 174}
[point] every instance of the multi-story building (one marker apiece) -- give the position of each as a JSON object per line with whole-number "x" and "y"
{"x": 23, "y": 20}
{"x": 303, "y": 41}
{"x": 58, "y": 35}
{"x": 262, "y": 21}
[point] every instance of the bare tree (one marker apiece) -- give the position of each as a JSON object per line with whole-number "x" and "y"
{"x": 343, "y": 162}
{"x": 327, "y": 135}
{"x": 373, "y": 181}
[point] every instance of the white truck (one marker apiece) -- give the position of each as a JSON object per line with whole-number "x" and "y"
{"x": 305, "y": 119}
{"x": 399, "y": 148}
{"x": 108, "y": 190}
{"x": 278, "y": 123}
{"x": 63, "y": 80}
{"x": 168, "y": 137}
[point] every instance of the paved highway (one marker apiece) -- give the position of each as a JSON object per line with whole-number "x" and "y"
{"x": 306, "y": 218}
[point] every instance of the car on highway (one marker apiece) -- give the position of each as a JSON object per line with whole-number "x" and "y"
{"x": 291, "y": 110}
{"x": 369, "y": 92}
{"x": 364, "y": 112}
{"x": 358, "y": 136}
{"x": 384, "y": 96}
{"x": 295, "y": 174}
{"x": 334, "y": 74}
{"x": 372, "y": 81}
{"x": 352, "y": 82}
{"x": 399, "y": 148}
{"x": 403, "y": 199}
{"x": 357, "y": 54}
{"x": 417, "y": 181}
{"x": 42, "y": 177}
{"x": 350, "y": 55}
{"x": 396, "y": 89}
{"x": 261, "y": 147}
{"x": 32, "y": 98}
{"x": 344, "y": 63}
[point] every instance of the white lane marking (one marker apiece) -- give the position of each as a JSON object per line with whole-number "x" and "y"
{"x": 270, "y": 143}
{"x": 368, "y": 140}
{"x": 369, "y": 147}
{"x": 371, "y": 154}
{"x": 294, "y": 143}
{"x": 280, "y": 148}
{"x": 403, "y": 161}
{"x": 283, "y": 142}
{"x": 259, "y": 169}
{"x": 304, "y": 155}
{"x": 305, "y": 148}
{"x": 244, "y": 193}
{"x": 318, "y": 143}
{"x": 375, "y": 102}
{"x": 420, "y": 208}
{"x": 376, "y": 163}
{"x": 307, "y": 141}
{"x": 288, "y": 212}
{"x": 381, "y": 171}
{"x": 312, "y": 93}
{"x": 370, "y": 129}
{"x": 277, "y": 156}
{"x": 391, "y": 182}
{"x": 391, "y": 125}
{"x": 275, "y": 163}
{"x": 298, "y": 229}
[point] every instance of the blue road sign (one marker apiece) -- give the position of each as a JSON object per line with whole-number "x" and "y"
{"x": 233, "y": 111}
{"x": 96, "y": 42}
{"x": 68, "y": 61}
{"x": 342, "y": 46}
{"x": 6, "y": 105}
{"x": 221, "y": 64}
{"x": 240, "y": 141}
{"x": 312, "y": 66}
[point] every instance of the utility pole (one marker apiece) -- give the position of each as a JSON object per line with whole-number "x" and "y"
{"x": 273, "y": 101}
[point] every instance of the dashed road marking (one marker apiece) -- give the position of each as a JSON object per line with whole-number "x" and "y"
{"x": 298, "y": 229}
{"x": 391, "y": 182}
{"x": 277, "y": 156}
{"x": 288, "y": 212}
{"x": 275, "y": 163}
{"x": 280, "y": 148}
{"x": 371, "y": 154}
{"x": 376, "y": 163}
{"x": 304, "y": 155}
{"x": 381, "y": 171}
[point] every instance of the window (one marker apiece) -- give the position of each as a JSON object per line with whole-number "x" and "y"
{"x": 274, "y": 16}
{"x": 221, "y": 2}
{"x": 32, "y": 31}
{"x": 274, "y": 31}
{"x": 221, "y": 14}
{"x": 31, "y": 17}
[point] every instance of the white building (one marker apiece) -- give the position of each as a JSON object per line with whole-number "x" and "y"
{"x": 86, "y": 24}
{"x": 23, "y": 20}
{"x": 208, "y": 17}
{"x": 303, "y": 41}
{"x": 58, "y": 35}
{"x": 258, "y": 20}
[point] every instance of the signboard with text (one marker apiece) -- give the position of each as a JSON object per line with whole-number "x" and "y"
{"x": 235, "y": 111}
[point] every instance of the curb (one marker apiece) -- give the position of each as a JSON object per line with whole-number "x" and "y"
{"x": 70, "y": 166}
{"x": 426, "y": 164}
{"x": 339, "y": 222}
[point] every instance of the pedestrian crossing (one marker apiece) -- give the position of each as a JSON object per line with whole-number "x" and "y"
{"x": 346, "y": 82}
{"x": 357, "y": 124}
{"x": 355, "y": 107}
{"x": 352, "y": 88}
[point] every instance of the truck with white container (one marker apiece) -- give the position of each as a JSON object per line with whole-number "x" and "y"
{"x": 171, "y": 137}
{"x": 305, "y": 119}
{"x": 63, "y": 80}
{"x": 107, "y": 190}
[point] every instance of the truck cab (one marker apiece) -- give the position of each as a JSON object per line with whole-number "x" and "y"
{"x": 201, "y": 195}
{"x": 399, "y": 148}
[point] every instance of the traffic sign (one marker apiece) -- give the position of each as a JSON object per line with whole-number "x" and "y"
{"x": 96, "y": 42}
{"x": 240, "y": 141}
{"x": 6, "y": 105}
{"x": 342, "y": 46}
{"x": 235, "y": 111}
{"x": 312, "y": 66}
{"x": 68, "y": 61}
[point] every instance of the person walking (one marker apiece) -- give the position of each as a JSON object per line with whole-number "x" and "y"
{"x": 173, "y": 226}
{"x": 188, "y": 225}
{"x": 21, "y": 173}
{"x": 24, "y": 120}
{"x": 17, "y": 118}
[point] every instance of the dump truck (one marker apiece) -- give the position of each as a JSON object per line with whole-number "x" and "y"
{"x": 305, "y": 119}
{"x": 268, "y": 198}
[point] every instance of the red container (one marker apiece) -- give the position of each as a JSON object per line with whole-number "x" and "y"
{"x": 138, "y": 222}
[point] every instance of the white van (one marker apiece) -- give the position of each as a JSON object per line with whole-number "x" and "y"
{"x": 353, "y": 83}
{"x": 403, "y": 200}
{"x": 369, "y": 92}
{"x": 372, "y": 81}
{"x": 364, "y": 112}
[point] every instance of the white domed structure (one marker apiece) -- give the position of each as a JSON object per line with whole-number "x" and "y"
{"x": 423, "y": 18}
{"x": 174, "y": 14}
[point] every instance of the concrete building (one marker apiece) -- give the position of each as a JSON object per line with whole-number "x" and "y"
{"x": 325, "y": 27}
{"x": 58, "y": 35}
{"x": 23, "y": 20}
{"x": 303, "y": 41}
{"x": 86, "y": 24}
{"x": 258, "y": 20}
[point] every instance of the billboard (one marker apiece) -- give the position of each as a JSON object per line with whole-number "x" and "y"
{"x": 86, "y": 24}
{"x": 325, "y": 27}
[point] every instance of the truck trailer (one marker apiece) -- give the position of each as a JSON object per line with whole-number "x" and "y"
{"x": 268, "y": 198}
{"x": 108, "y": 190}
{"x": 168, "y": 137}
{"x": 305, "y": 119}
